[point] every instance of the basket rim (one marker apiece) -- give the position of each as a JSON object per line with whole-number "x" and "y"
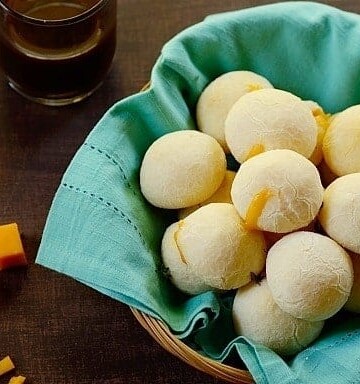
{"x": 162, "y": 334}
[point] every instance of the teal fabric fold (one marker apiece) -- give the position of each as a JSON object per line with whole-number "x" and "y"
{"x": 101, "y": 231}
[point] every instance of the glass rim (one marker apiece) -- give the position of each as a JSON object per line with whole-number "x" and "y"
{"x": 56, "y": 22}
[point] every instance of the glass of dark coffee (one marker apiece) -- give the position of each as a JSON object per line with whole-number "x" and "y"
{"x": 57, "y": 52}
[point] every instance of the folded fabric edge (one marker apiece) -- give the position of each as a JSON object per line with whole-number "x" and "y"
{"x": 196, "y": 322}
{"x": 281, "y": 7}
{"x": 258, "y": 358}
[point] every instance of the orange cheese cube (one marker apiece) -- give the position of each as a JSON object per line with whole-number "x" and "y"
{"x": 11, "y": 249}
{"x": 6, "y": 365}
{"x": 17, "y": 380}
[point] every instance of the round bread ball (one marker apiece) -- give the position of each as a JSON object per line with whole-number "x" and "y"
{"x": 181, "y": 169}
{"x": 219, "y": 96}
{"x": 277, "y": 191}
{"x": 222, "y": 195}
{"x": 215, "y": 243}
{"x": 257, "y": 317}
{"x": 323, "y": 122}
{"x": 178, "y": 271}
{"x": 340, "y": 212}
{"x": 310, "y": 276}
{"x": 341, "y": 144}
{"x": 270, "y": 119}
{"x": 353, "y": 303}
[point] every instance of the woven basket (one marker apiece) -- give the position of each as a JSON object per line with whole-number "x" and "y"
{"x": 160, "y": 332}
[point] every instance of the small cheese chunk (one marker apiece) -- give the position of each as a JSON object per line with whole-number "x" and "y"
{"x": 11, "y": 249}
{"x": 17, "y": 380}
{"x": 6, "y": 365}
{"x": 255, "y": 150}
{"x": 255, "y": 208}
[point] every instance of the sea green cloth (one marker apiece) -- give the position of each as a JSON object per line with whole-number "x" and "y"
{"x": 102, "y": 232}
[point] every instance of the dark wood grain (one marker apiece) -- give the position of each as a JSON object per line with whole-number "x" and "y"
{"x": 57, "y": 330}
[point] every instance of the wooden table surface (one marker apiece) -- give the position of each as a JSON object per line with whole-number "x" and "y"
{"x": 57, "y": 330}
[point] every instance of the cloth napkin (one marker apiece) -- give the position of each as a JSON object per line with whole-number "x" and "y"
{"x": 102, "y": 232}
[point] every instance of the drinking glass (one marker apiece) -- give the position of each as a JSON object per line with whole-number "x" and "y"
{"x": 57, "y": 52}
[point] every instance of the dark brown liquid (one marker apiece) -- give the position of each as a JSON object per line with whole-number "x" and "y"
{"x": 58, "y": 60}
